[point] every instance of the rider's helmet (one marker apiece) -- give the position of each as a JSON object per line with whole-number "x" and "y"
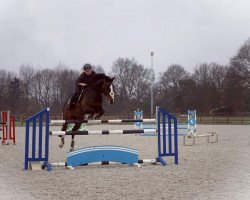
{"x": 87, "y": 66}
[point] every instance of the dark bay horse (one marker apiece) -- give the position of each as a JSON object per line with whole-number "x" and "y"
{"x": 90, "y": 103}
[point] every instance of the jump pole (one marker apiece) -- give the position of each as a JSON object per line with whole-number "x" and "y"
{"x": 113, "y": 121}
{"x": 101, "y": 132}
{"x": 147, "y": 124}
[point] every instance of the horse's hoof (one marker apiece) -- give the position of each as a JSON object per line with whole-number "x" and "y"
{"x": 61, "y": 145}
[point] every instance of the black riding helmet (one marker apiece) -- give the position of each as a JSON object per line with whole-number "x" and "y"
{"x": 87, "y": 66}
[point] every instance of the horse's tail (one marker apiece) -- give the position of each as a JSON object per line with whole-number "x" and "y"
{"x": 64, "y": 110}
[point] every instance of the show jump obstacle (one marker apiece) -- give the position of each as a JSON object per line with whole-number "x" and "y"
{"x": 37, "y": 142}
{"x": 192, "y": 131}
{"x": 8, "y": 128}
{"x": 147, "y": 126}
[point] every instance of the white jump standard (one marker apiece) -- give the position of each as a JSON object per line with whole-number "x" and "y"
{"x": 147, "y": 124}
{"x": 192, "y": 131}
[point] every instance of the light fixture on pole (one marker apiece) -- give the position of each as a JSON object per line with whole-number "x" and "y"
{"x": 152, "y": 85}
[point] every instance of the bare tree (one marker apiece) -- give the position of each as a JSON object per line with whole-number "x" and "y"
{"x": 202, "y": 79}
{"x": 237, "y": 80}
{"x": 64, "y": 86}
{"x": 26, "y": 73}
{"x": 5, "y": 79}
{"x": 98, "y": 69}
{"x": 217, "y": 80}
{"x": 170, "y": 87}
{"x": 42, "y": 87}
{"x": 132, "y": 82}
{"x": 15, "y": 96}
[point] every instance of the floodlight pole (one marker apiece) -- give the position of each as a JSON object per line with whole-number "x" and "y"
{"x": 152, "y": 85}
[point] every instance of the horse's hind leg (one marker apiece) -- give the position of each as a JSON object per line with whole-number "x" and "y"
{"x": 64, "y": 127}
{"x": 91, "y": 116}
{"x": 75, "y": 128}
{"x": 72, "y": 144}
{"x": 100, "y": 113}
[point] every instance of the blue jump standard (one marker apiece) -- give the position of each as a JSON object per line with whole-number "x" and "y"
{"x": 155, "y": 134}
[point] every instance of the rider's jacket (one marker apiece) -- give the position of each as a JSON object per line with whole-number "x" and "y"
{"x": 84, "y": 78}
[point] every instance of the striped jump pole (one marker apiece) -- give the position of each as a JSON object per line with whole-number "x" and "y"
{"x": 101, "y": 132}
{"x": 37, "y": 146}
{"x": 113, "y": 121}
{"x": 147, "y": 125}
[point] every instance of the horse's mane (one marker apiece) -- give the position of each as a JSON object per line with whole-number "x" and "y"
{"x": 101, "y": 78}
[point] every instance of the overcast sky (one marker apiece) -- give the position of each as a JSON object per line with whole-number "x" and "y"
{"x": 44, "y": 33}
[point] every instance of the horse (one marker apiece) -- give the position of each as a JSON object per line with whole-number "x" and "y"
{"x": 90, "y": 102}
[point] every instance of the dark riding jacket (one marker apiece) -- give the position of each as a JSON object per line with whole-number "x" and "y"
{"x": 84, "y": 78}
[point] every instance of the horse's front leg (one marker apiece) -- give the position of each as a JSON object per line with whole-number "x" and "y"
{"x": 64, "y": 127}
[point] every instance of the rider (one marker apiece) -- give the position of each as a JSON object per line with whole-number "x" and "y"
{"x": 85, "y": 79}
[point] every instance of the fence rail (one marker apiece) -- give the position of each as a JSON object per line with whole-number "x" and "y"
{"x": 206, "y": 118}
{"x": 202, "y": 118}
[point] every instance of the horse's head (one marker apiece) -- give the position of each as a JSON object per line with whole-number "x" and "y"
{"x": 108, "y": 89}
{"x": 104, "y": 84}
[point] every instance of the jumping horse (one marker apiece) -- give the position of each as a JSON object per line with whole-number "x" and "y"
{"x": 90, "y": 103}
